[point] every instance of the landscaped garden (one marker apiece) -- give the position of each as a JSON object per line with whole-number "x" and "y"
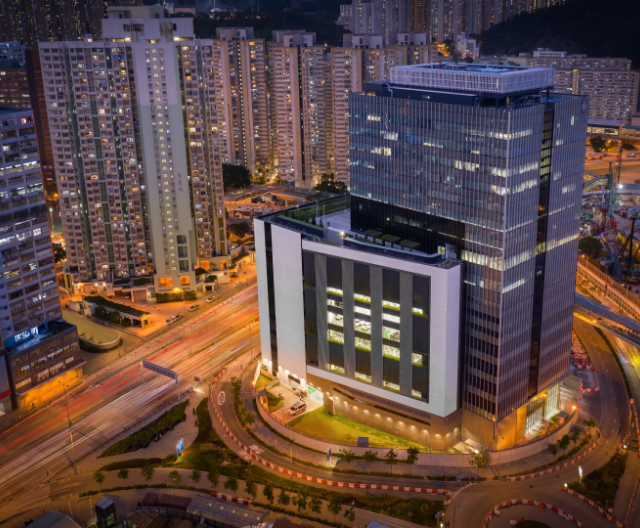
{"x": 602, "y": 484}
{"x": 338, "y": 429}
{"x": 136, "y": 440}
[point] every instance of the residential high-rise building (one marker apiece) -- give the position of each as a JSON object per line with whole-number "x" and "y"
{"x": 375, "y": 60}
{"x": 21, "y": 87}
{"x": 32, "y": 21}
{"x": 241, "y": 91}
{"x": 300, "y": 106}
{"x": 419, "y": 15}
{"x": 467, "y": 47}
{"x": 346, "y": 77}
{"x": 133, "y": 123}
{"x": 439, "y": 295}
{"x": 611, "y": 84}
{"x": 37, "y": 343}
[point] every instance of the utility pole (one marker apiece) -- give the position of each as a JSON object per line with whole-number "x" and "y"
{"x": 73, "y": 449}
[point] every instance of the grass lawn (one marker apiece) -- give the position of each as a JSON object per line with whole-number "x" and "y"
{"x": 602, "y": 484}
{"x": 90, "y": 330}
{"x": 340, "y": 430}
{"x": 262, "y": 381}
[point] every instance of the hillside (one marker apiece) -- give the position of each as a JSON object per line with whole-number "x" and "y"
{"x": 597, "y": 28}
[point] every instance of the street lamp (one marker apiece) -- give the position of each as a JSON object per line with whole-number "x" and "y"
{"x": 70, "y": 430}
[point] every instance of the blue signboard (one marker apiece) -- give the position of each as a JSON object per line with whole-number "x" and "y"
{"x": 180, "y": 447}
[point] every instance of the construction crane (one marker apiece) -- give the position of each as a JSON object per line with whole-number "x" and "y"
{"x": 610, "y": 196}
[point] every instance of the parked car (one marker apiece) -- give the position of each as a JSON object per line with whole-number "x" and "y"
{"x": 171, "y": 320}
{"x": 240, "y": 283}
{"x": 281, "y": 396}
{"x": 211, "y": 298}
{"x": 297, "y": 408}
{"x": 178, "y": 317}
{"x": 194, "y": 308}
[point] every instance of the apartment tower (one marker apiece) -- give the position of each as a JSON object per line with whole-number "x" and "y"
{"x": 37, "y": 344}
{"x": 300, "y": 104}
{"x": 241, "y": 86}
{"x": 133, "y": 122}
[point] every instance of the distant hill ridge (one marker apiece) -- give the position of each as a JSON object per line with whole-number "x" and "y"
{"x": 597, "y": 28}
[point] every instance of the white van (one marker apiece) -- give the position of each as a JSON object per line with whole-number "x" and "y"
{"x": 297, "y": 408}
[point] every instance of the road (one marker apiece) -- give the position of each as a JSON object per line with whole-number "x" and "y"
{"x": 35, "y": 449}
{"x": 476, "y": 501}
{"x": 607, "y": 313}
{"x": 630, "y": 167}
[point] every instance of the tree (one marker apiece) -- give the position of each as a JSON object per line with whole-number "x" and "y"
{"x": 240, "y": 229}
{"x": 123, "y": 474}
{"x": 391, "y": 459}
{"x": 301, "y": 503}
{"x": 553, "y": 450}
{"x": 251, "y": 488}
{"x": 625, "y": 146}
{"x": 597, "y": 143}
{"x": 235, "y": 176}
{"x": 590, "y": 423}
{"x": 335, "y": 505}
{"x": 329, "y": 184}
{"x": 99, "y": 477}
{"x": 267, "y": 491}
{"x": 213, "y": 476}
{"x": 412, "y": 456}
{"x": 348, "y": 456}
{"x": 199, "y": 272}
{"x": 564, "y": 442}
{"x": 147, "y": 472}
{"x": 590, "y": 246}
{"x": 350, "y": 514}
{"x": 175, "y": 477}
{"x": 283, "y": 498}
{"x": 315, "y": 505}
{"x": 231, "y": 483}
{"x": 370, "y": 456}
{"x": 196, "y": 476}
{"x": 575, "y": 436}
{"x": 479, "y": 460}
{"x": 59, "y": 253}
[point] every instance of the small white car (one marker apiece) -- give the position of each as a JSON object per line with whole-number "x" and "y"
{"x": 297, "y": 408}
{"x": 194, "y": 308}
{"x": 171, "y": 320}
{"x": 210, "y": 299}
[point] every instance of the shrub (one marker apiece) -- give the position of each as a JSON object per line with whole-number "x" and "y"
{"x": 132, "y": 464}
{"x": 169, "y": 459}
{"x": 135, "y": 441}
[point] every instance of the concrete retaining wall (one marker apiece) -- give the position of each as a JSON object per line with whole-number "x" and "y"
{"x": 517, "y": 453}
{"x": 425, "y": 459}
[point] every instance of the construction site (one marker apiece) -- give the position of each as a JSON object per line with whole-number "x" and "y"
{"x": 611, "y": 213}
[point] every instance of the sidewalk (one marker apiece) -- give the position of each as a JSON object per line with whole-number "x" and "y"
{"x": 627, "y": 483}
{"x": 271, "y": 439}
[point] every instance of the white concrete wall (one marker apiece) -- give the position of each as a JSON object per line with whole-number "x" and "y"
{"x": 287, "y": 279}
{"x": 444, "y": 327}
{"x": 263, "y": 290}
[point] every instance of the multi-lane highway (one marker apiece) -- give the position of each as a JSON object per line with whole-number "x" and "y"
{"x": 35, "y": 449}
{"x": 602, "y": 311}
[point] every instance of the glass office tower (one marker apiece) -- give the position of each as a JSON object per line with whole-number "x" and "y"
{"x": 483, "y": 163}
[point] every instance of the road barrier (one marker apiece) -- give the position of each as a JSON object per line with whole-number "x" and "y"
{"x": 555, "y": 468}
{"x": 604, "y": 513}
{"x": 529, "y": 502}
{"x": 349, "y": 485}
{"x": 235, "y": 500}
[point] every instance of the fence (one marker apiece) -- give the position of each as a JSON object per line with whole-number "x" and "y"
{"x": 613, "y": 289}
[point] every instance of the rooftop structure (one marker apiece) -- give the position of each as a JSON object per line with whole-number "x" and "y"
{"x": 478, "y": 78}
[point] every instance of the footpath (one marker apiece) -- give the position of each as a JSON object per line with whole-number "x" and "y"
{"x": 271, "y": 439}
